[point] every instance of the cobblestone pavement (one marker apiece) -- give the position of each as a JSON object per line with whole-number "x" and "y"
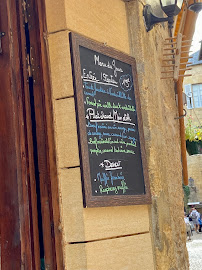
{"x": 194, "y": 248}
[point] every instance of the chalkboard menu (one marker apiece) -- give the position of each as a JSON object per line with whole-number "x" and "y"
{"x": 111, "y": 141}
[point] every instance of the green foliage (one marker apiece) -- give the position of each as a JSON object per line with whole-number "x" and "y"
{"x": 186, "y": 190}
{"x": 193, "y": 133}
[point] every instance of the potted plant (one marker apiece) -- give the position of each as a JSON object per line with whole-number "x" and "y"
{"x": 193, "y": 137}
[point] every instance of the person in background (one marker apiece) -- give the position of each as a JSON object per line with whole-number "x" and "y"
{"x": 195, "y": 216}
{"x": 188, "y": 226}
{"x": 200, "y": 224}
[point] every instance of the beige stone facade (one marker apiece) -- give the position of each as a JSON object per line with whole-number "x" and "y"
{"x": 195, "y": 172}
{"x": 142, "y": 237}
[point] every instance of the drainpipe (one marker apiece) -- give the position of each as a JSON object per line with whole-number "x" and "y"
{"x": 187, "y": 31}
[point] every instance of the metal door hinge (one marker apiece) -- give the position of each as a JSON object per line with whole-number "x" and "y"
{"x": 32, "y": 66}
{"x": 2, "y": 34}
{"x": 27, "y": 13}
{"x": 29, "y": 68}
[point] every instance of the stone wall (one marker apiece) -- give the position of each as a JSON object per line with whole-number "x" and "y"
{"x": 195, "y": 171}
{"x": 162, "y": 142}
{"x": 127, "y": 237}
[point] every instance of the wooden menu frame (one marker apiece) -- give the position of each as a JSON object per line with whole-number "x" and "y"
{"x": 90, "y": 200}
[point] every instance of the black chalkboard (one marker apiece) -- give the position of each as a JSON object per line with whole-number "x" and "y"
{"x": 113, "y": 163}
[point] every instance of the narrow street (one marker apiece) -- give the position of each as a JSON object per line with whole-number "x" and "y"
{"x": 194, "y": 248}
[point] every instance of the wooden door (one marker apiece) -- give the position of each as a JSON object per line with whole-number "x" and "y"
{"x": 29, "y": 211}
{"x": 16, "y": 234}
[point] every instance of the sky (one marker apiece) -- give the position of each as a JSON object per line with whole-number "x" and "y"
{"x": 197, "y": 34}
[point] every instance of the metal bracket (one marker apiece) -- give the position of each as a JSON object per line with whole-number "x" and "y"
{"x": 2, "y": 34}
{"x": 185, "y": 113}
{"x": 33, "y": 68}
{"x": 27, "y": 13}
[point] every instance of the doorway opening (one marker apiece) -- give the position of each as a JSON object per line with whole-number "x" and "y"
{"x": 35, "y": 151}
{"x": 30, "y": 219}
{"x": 43, "y": 197}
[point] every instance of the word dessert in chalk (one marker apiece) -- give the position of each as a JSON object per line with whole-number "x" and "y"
{"x": 111, "y": 165}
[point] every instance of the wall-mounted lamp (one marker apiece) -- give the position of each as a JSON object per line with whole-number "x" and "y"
{"x": 195, "y": 6}
{"x": 170, "y": 7}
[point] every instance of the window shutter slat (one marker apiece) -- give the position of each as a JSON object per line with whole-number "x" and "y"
{"x": 189, "y": 96}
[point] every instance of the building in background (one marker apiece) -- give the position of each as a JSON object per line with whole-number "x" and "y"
{"x": 193, "y": 91}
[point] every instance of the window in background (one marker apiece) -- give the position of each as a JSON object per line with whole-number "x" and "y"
{"x": 197, "y": 95}
{"x": 194, "y": 95}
